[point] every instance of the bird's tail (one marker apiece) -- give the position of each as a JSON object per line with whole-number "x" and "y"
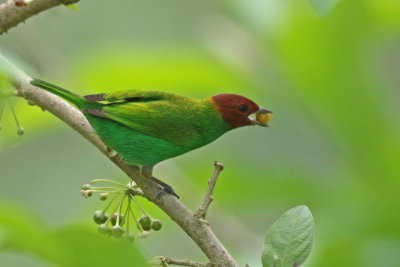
{"x": 75, "y": 99}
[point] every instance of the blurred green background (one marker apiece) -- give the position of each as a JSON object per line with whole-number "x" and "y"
{"x": 328, "y": 69}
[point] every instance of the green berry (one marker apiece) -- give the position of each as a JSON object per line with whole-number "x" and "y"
{"x": 114, "y": 219}
{"x": 104, "y": 229}
{"x": 20, "y": 131}
{"x": 103, "y": 196}
{"x": 86, "y": 187}
{"x": 99, "y": 217}
{"x": 145, "y": 221}
{"x": 156, "y": 225}
{"x": 117, "y": 231}
{"x": 86, "y": 193}
{"x": 129, "y": 236}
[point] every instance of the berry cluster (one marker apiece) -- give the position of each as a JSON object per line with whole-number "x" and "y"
{"x": 120, "y": 206}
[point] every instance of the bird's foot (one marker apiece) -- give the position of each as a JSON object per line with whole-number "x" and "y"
{"x": 166, "y": 189}
{"x": 146, "y": 172}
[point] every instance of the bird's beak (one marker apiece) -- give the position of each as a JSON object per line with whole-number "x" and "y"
{"x": 263, "y": 116}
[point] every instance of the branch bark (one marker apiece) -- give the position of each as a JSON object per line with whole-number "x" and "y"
{"x": 199, "y": 232}
{"x": 184, "y": 262}
{"x": 12, "y": 13}
{"x": 208, "y": 198}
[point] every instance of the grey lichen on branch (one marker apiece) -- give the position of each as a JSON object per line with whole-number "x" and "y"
{"x": 200, "y": 232}
{"x": 13, "y": 12}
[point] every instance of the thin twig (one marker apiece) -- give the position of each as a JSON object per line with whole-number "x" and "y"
{"x": 161, "y": 261}
{"x": 199, "y": 232}
{"x": 208, "y": 198}
{"x": 12, "y": 13}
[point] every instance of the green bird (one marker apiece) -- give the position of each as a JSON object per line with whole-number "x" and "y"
{"x": 147, "y": 127}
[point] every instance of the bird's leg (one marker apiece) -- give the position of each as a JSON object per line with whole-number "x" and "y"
{"x": 146, "y": 172}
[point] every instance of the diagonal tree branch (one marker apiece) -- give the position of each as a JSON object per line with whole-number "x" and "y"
{"x": 13, "y": 12}
{"x": 201, "y": 233}
{"x": 189, "y": 263}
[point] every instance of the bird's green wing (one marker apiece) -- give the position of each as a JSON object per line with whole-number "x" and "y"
{"x": 136, "y": 96}
{"x": 166, "y": 116}
{"x": 126, "y": 95}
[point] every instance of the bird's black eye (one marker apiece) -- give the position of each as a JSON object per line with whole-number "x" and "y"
{"x": 243, "y": 108}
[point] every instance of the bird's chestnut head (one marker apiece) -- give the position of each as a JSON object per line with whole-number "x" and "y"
{"x": 236, "y": 109}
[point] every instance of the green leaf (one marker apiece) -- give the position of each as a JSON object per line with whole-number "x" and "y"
{"x": 72, "y": 245}
{"x": 289, "y": 240}
{"x": 73, "y": 7}
{"x": 323, "y": 7}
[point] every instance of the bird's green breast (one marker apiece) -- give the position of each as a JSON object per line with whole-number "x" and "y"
{"x": 150, "y": 132}
{"x": 208, "y": 123}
